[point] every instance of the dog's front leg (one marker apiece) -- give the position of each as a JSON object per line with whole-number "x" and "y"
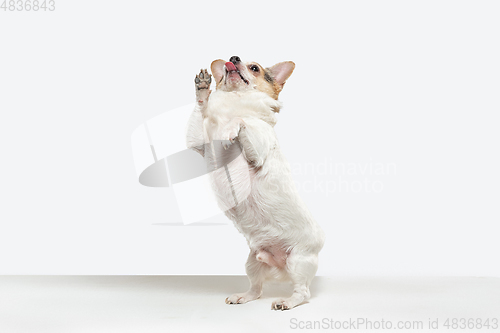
{"x": 258, "y": 140}
{"x": 231, "y": 131}
{"x": 256, "y": 137}
{"x": 202, "y": 86}
{"x": 194, "y": 135}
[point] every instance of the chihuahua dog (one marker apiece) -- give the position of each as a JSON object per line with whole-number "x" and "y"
{"x": 255, "y": 189}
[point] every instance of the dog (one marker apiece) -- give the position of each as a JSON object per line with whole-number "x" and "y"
{"x": 255, "y": 189}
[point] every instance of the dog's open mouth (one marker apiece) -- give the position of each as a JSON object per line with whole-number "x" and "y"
{"x": 231, "y": 69}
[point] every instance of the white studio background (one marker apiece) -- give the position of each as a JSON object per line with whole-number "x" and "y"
{"x": 390, "y": 124}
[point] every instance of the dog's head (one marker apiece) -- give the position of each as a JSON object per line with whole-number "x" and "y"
{"x": 235, "y": 75}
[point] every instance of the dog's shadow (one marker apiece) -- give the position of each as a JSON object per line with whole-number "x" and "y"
{"x": 224, "y": 285}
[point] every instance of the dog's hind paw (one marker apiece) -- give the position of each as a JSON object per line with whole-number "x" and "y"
{"x": 235, "y": 299}
{"x": 280, "y": 304}
{"x": 242, "y": 298}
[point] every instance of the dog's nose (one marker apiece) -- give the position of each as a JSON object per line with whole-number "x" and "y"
{"x": 235, "y": 59}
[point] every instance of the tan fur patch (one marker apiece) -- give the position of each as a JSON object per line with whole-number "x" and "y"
{"x": 267, "y": 80}
{"x": 264, "y": 84}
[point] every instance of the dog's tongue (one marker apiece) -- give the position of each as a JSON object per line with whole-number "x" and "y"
{"x": 230, "y": 66}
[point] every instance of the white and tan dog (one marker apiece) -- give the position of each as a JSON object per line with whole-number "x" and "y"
{"x": 255, "y": 189}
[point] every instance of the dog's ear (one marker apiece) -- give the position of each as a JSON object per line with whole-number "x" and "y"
{"x": 282, "y": 71}
{"x": 217, "y": 68}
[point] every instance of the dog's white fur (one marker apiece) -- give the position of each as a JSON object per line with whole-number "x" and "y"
{"x": 260, "y": 196}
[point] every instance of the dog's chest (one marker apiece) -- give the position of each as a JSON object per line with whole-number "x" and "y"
{"x": 231, "y": 175}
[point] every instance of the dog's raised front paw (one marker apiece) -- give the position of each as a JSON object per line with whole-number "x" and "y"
{"x": 202, "y": 83}
{"x": 203, "y": 80}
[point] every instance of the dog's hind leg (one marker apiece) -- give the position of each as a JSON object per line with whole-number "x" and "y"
{"x": 257, "y": 273}
{"x": 301, "y": 269}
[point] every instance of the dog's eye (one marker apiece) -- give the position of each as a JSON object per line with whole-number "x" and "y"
{"x": 254, "y": 68}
